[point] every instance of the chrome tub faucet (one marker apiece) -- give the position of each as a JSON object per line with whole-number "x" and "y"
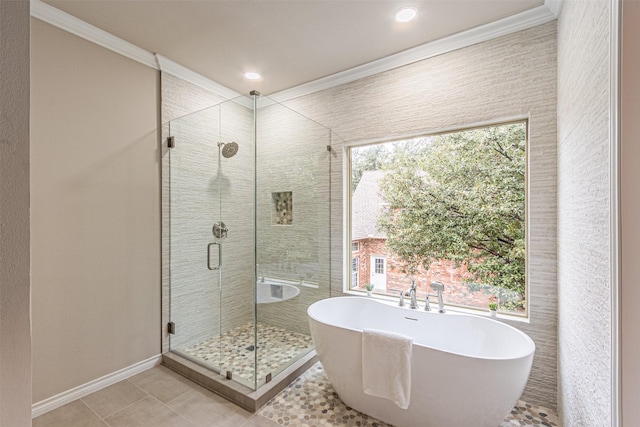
{"x": 412, "y": 295}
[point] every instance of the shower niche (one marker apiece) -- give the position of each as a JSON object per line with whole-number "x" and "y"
{"x": 240, "y": 164}
{"x": 282, "y": 208}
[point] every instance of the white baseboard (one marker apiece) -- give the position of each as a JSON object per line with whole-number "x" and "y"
{"x": 83, "y": 390}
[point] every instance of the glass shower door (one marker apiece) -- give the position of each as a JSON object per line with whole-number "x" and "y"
{"x": 236, "y": 188}
{"x": 195, "y": 254}
{"x": 212, "y": 239}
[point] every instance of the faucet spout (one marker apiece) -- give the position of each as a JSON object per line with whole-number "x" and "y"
{"x": 412, "y": 295}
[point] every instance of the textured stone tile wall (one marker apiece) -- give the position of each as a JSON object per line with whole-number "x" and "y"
{"x": 512, "y": 76}
{"x": 292, "y": 156}
{"x": 584, "y": 273}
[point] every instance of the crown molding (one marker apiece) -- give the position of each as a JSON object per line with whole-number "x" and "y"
{"x": 82, "y": 29}
{"x": 522, "y": 21}
{"x": 166, "y": 65}
{"x": 70, "y": 23}
{"x": 554, "y": 6}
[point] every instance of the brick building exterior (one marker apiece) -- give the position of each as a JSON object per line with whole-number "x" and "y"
{"x": 373, "y": 263}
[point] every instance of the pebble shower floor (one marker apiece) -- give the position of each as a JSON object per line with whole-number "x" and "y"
{"x": 235, "y": 350}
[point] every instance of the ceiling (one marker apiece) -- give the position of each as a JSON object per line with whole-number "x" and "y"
{"x": 289, "y": 42}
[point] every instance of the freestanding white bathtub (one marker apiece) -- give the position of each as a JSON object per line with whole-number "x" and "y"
{"x": 466, "y": 371}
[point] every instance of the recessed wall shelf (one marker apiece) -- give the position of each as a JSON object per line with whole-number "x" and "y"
{"x": 282, "y": 208}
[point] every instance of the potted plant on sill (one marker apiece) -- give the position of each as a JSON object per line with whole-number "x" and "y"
{"x": 493, "y": 309}
{"x": 369, "y": 288}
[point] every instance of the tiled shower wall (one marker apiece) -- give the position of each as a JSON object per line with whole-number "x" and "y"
{"x": 508, "y": 77}
{"x": 293, "y": 158}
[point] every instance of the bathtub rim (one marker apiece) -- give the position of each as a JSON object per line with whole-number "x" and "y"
{"x": 526, "y": 353}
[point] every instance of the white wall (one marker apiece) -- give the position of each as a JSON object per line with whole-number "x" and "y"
{"x": 511, "y": 76}
{"x": 15, "y": 322}
{"x": 630, "y": 212}
{"x": 95, "y": 211}
{"x": 584, "y": 264}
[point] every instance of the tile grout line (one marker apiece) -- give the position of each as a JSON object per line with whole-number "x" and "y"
{"x": 125, "y": 407}
{"x": 178, "y": 413}
{"x": 191, "y": 390}
{"x": 148, "y": 396}
{"x": 94, "y": 412}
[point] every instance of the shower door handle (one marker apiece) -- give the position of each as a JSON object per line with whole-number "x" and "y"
{"x": 217, "y": 267}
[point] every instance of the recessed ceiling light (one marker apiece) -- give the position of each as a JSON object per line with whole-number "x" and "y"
{"x": 406, "y": 14}
{"x": 252, "y": 76}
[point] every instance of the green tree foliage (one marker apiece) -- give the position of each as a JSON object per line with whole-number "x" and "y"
{"x": 463, "y": 199}
{"x": 383, "y": 156}
{"x": 368, "y": 158}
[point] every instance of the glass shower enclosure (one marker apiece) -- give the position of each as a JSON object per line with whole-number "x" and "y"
{"x": 249, "y": 236}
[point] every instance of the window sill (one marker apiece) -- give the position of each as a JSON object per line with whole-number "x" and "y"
{"x": 391, "y": 300}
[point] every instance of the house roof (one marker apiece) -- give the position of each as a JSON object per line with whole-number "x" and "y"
{"x": 366, "y": 203}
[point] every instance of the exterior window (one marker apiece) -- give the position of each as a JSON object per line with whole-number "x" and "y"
{"x": 445, "y": 207}
{"x": 379, "y": 265}
{"x": 355, "y": 264}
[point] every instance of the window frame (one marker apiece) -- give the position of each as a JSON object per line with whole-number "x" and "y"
{"x": 347, "y": 196}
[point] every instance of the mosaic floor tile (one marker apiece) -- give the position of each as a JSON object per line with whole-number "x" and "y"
{"x": 526, "y": 414}
{"x": 235, "y": 350}
{"x": 311, "y": 401}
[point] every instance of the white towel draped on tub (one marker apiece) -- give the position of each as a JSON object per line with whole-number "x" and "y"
{"x": 386, "y": 366}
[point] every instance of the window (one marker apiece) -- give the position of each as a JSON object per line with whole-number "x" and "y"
{"x": 447, "y": 207}
{"x": 355, "y": 265}
{"x": 379, "y": 265}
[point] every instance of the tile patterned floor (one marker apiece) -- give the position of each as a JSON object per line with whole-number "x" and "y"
{"x": 235, "y": 351}
{"x": 161, "y": 398}
{"x": 311, "y": 401}
{"x": 155, "y": 398}
{"x": 526, "y": 414}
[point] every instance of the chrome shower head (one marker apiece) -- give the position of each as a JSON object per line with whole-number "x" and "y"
{"x": 229, "y": 149}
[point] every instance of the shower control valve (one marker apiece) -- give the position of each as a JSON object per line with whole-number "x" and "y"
{"x": 220, "y": 230}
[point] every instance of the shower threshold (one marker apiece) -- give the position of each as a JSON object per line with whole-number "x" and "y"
{"x": 249, "y": 399}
